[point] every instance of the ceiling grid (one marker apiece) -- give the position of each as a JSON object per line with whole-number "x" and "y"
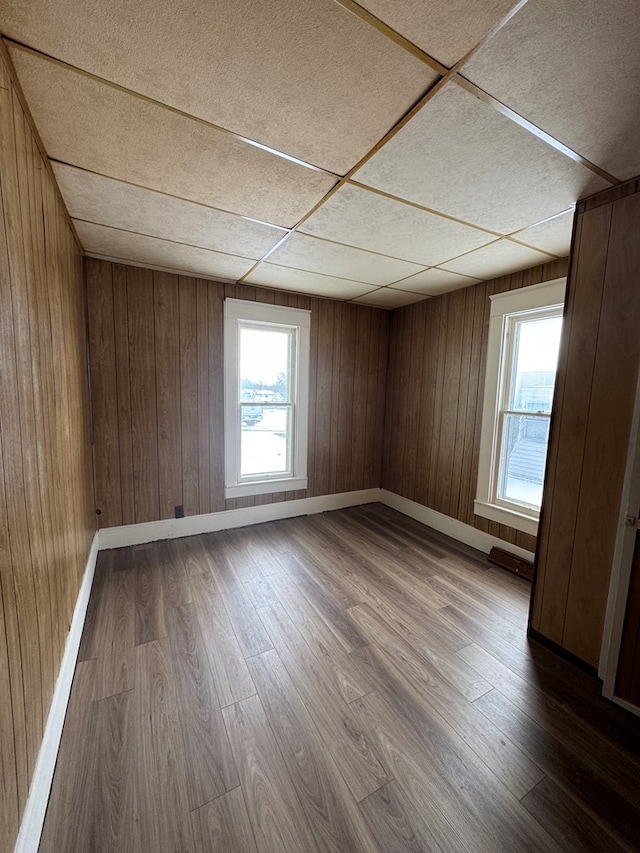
{"x": 380, "y": 152}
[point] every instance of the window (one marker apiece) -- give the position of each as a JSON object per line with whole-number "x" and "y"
{"x": 266, "y": 397}
{"x": 524, "y": 338}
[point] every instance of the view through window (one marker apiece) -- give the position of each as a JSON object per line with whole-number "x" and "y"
{"x": 522, "y": 354}
{"x": 530, "y": 369}
{"x": 266, "y": 404}
{"x": 266, "y": 352}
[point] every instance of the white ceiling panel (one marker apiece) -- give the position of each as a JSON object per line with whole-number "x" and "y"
{"x": 371, "y": 221}
{"x": 385, "y": 297}
{"x": 315, "y": 255}
{"x": 125, "y": 246}
{"x": 571, "y": 67}
{"x": 446, "y": 31}
{"x": 250, "y": 67}
{"x": 434, "y": 282}
{"x": 301, "y": 281}
{"x": 553, "y": 235}
{"x": 462, "y": 157}
{"x": 100, "y": 128}
{"x": 497, "y": 259}
{"x": 105, "y": 201}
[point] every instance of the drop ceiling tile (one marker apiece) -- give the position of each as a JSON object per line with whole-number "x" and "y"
{"x": 460, "y": 156}
{"x": 571, "y": 67}
{"x": 497, "y": 259}
{"x": 100, "y": 128}
{"x": 105, "y": 201}
{"x": 125, "y": 246}
{"x": 446, "y": 31}
{"x": 315, "y": 255}
{"x": 433, "y": 282}
{"x": 247, "y": 66}
{"x": 385, "y": 297}
{"x": 553, "y": 235}
{"x": 368, "y": 220}
{"x": 284, "y": 278}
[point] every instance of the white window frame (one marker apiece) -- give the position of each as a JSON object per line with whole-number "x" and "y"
{"x": 238, "y": 312}
{"x": 504, "y": 308}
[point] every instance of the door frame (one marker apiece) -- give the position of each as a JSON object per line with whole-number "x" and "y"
{"x": 621, "y": 567}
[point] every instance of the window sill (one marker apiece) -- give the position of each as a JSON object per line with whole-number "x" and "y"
{"x": 265, "y": 487}
{"x": 509, "y": 517}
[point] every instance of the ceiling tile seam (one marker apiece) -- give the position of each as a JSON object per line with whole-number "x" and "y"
{"x": 323, "y": 274}
{"x": 341, "y": 180}
{"x": 162, "y": 239}
{"x": 532, "y": 128}
{"x": 488, "y": 36}
{"x": 360, "y": 249}
{"x": 169, "y": 195}
{"x": 472, "y": 279}
{"x": 393, "y": 35}
{"x": 511, "y": 239}
{"x": 154, "y": 102}
{"x": 423, "y": 207}
{"x": 543, "y": 221}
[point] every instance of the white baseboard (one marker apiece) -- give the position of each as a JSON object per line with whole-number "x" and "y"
{"x": 450, "y": 526}
{"x": 36, "y": 807}
{"x": 174, "y": 528}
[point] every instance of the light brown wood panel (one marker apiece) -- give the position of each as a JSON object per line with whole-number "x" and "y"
{"x": 434, "y": 397}
{"x": 100, "y": 304}
{"x": 571, "y": 412}
{"x": 591, "y": 424}
{"x": 46, "y": 493}
{"x": 166, "y": 313}
{"x": 142, "y": 373}
{"x": 157, "y": 377}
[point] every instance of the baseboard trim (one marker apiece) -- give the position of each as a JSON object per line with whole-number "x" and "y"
{"x": 450, "y": 526}
{"x": 36, "y": 807}
{"x": 174, "y": 528}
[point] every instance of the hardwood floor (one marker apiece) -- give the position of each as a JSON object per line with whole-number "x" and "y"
{"x": 350, "y": 681}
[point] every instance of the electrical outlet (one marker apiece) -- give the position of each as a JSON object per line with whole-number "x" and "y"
{"x": 179, "y": 511}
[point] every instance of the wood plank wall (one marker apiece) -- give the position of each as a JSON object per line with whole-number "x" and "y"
{"x": 46, "y": 482}
{"x": 595, "y": 393}
{"x": 157, "y": 371}
{"x": 434, "y": 399}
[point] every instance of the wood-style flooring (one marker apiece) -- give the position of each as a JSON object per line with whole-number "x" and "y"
{"x": 344, "y": 682}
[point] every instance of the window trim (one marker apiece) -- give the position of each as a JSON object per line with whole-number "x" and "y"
{"x": 236, "y": 312}
{"x": 536, "y": 297}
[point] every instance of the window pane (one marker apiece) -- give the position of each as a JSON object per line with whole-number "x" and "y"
{"x": 265, "y": 443}
{"x": 522, "y": 459}
{"x": 265, "y": 365}
{"x": 535, "y": 353}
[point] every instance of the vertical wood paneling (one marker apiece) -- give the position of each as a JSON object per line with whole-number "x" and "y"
{"x": 144, "y": 413}
{"x": 125, "y": 435}
{"x": 591, "y": 425}
{"x": 105, "y": 413}
{"x": 187, "y": 294}
{"x": 157, "y": 371}
{"x": 435, "y": 384}
{"x": 571, "y": 412}
{"x": 166, "y": 312}
{"x": 46, "y": 491}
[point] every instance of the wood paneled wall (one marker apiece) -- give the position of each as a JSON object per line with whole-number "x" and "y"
{"x": 593, "y": 406}
{"x": 157, "y": 370}
{"x": 434, "y": 399}
{"x": 46, "y": 483}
